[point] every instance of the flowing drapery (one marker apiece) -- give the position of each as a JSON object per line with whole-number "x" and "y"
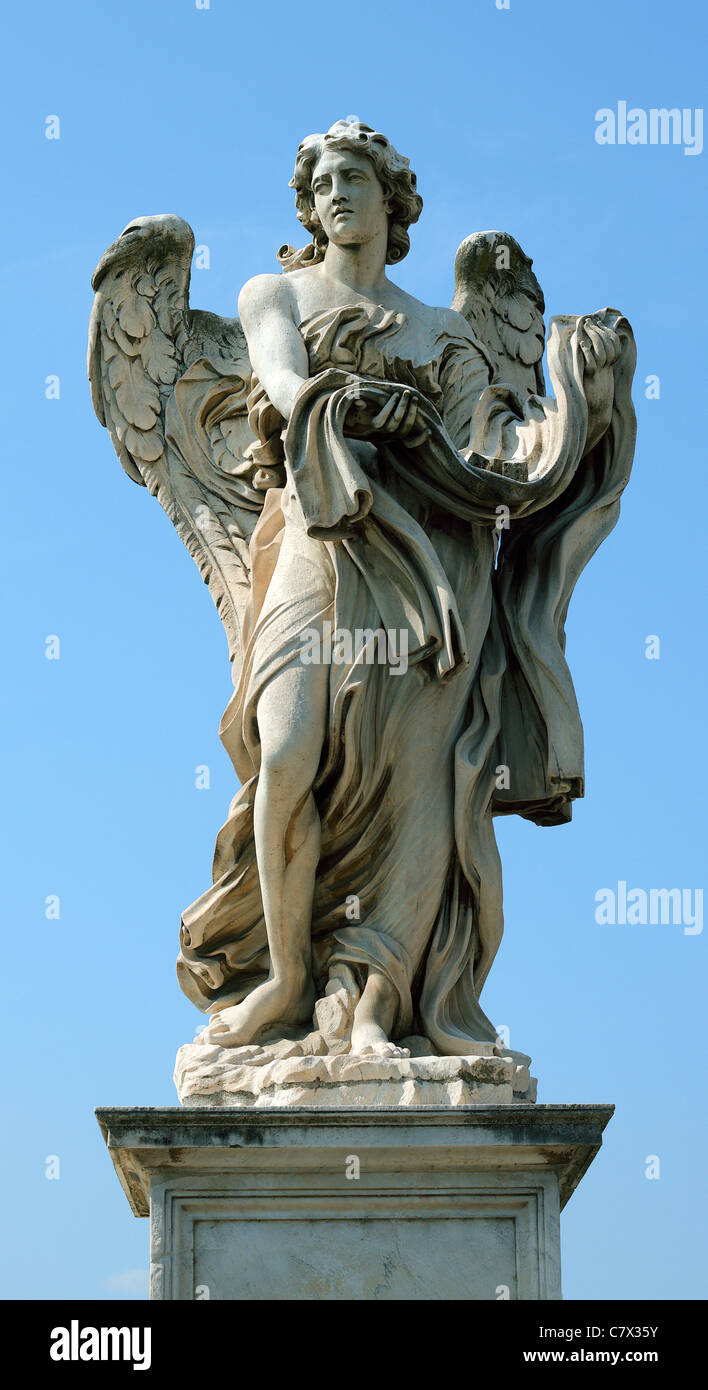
{"x": 406, "y": 540}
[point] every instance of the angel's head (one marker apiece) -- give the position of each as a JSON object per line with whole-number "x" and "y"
{"x": 348, "y": 183}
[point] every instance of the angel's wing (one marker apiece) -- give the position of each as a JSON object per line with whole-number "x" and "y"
{"x": 499, "y": 295}
{"x": 171, "y": 385}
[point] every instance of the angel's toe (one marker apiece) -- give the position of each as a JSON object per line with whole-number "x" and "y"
{"x": 217, "y": 1025}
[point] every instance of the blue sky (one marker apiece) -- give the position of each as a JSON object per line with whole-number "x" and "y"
{"x": 199, "y": 112}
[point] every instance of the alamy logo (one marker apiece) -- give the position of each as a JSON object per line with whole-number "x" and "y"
{"x": 641, "y": 907}
{"x": 340, "y": 647}
{"x": 656, "y": 126}
{"x": 75, "y": 1343}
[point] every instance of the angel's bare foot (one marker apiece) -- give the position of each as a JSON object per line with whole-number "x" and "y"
{"x": 368, "y": 1039}
{"x": 275, "y": 1001}
{"x": 373, "y": 1020}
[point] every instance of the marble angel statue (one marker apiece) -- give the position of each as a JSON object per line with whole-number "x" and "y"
{"x": 348, "y": 462}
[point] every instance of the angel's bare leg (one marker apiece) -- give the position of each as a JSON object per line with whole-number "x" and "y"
{"x": 292, "y": 714}
{"x": 374, "y": 1018}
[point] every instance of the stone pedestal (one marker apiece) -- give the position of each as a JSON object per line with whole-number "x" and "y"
{"x": 310, "y": 1204}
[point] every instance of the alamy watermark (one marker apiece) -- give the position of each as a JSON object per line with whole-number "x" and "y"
{"x": 652, "y": 907}
{"x": 341, "y": 647}
{"x": 77, "y": 1343}
{"x": 656, "y": 126}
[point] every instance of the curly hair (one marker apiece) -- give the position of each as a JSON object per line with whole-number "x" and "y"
{"x": 393, "y": 172}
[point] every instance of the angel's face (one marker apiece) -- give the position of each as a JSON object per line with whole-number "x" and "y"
{"x": 349, "y": 199}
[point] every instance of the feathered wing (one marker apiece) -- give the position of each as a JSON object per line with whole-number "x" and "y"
{"x": 499, "y": 295}
{"x": 171, "y": 386}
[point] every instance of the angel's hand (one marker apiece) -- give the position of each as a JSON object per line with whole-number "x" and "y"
{"x": 599, "y": 344}
{"x": 600, "y": 347}
{"x": 399, "y": 417}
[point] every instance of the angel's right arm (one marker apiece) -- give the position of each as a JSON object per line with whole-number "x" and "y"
{"x": 275, "y": 346}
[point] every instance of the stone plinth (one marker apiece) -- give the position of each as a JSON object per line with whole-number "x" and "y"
{"x": 442, "y": 1204}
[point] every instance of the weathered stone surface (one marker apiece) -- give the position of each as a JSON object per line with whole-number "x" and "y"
{"x": 278, "y": 1075}
{"x": 311, "y": 1204}
{"x": 334, "y": 1015}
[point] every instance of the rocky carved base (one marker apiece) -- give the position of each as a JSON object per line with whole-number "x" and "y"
{"x": 289, "y": 1073}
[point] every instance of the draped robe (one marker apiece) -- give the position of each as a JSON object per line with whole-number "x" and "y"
{"x": 470, "y": 545}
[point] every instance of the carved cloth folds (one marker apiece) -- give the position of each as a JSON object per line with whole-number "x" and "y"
{"x": 414, "y": 540}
